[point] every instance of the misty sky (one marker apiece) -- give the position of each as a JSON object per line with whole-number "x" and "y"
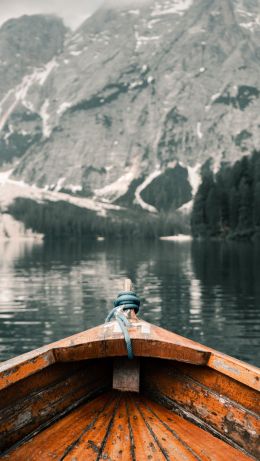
{"x": 72, "y": 11}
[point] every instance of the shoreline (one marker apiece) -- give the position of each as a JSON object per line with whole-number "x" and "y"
{"x": 177, "y": 238}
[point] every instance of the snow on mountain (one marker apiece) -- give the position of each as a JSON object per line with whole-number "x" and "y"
{"x": 11, "y": 189}
{"x": 142, "y": 187}
{"x": 248, "y": 14}
{"x": 114, "y": 191}
{"x": 139, "y": 86}
{"x": 171, "y": 7}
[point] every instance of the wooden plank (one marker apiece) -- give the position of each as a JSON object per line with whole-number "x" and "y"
{"x": 89, "y": 446}
{"x": 224, "y": 415}
{"x": 107, "y": 341}
{"x": 201, "y": 444}
{"x": 147, "y": 340}
{"x": 240, "y": 371}
{"x": 118, "y": 446}
{"x": 104, "y": 341}
{"x": 54, "y": 441}
{"x": 27, "y": 414}
{"x": 172, "y": 446}
{"x": 40, "y": 412}
{"x": 126, "y": 375}
{"x": 145, "y": 445}
{"x": 16, "y": 369}
{"x": 40, "y": 380}
{"x": 124, "y": 427}
{"x": 220, "y": 383}
{"x": 128, "y": 285}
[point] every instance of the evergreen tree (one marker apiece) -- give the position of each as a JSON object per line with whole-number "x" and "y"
{"x": 229, "y": 203}
{"x": 212, "y": 211}
{"x": 233, "y": 209}
{"x": 256, "y": 189}
{"x": 199, "y": 218}
{"x": 256, "y": 211}
{"x": 245, "y": 205}
{"x": 223, "y": 181}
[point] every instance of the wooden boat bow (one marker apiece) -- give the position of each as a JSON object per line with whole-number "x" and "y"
{"x": 194, "y": 403}
{"x": 107, "y": 341}
{"x": 102, "y": 342}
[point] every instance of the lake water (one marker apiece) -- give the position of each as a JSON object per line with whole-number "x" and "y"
{"x": 209, "y": 292}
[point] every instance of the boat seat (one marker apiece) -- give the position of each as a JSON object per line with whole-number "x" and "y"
{"x": 123, "y": 426}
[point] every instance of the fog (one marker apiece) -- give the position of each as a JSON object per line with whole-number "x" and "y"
{"x": 72, "y": 11}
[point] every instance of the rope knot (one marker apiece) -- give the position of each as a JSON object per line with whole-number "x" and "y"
{"x": 128, "y": 300}
{"x": 125, "y": 301}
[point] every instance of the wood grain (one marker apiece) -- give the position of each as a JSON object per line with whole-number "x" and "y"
{"x": 56, "y": 441}
{"x": 126, "y": 375}
{"x": 145, "y": 445}
{"x": 213, "y": 390}
{"x": 119, "y": 446}
{"x": 106, "y": 341}
{"x": 124, "y": 427}
{"x": 221, "y": 384}
{"x": 29, "y": 412}
{"x": 228, "y": 418}
{"x": 200, "y": 444}
{"x": 101, "y": 342}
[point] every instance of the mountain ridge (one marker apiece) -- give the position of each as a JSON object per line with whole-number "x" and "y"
{"x": 136, "y": 93}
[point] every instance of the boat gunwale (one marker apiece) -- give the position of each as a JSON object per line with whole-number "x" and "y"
{"x": 106, "y": 341}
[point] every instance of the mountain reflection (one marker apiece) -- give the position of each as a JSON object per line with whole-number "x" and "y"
{"x": 205, "y": 291}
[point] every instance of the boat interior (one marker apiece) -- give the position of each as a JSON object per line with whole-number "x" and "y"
{"x": 159, "y": 410}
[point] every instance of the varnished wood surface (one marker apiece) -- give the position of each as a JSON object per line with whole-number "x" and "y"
{"x": 126, "y": 375}
{"x": 219, "y": 391}
{"x": 219, "y": 403}
{"x": 38, "y": 400}
{"x": 107, "y": 341}
{"x": 126, "y": 427}
{"x": 49, "y": 409}
{"x": 101, "y": 342}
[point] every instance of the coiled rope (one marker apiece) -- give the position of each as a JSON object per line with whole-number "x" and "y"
{"x": 125, "y": 301}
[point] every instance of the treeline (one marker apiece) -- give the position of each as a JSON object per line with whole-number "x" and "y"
{"x": 58, "y": 220}
{"x": 227, "y": 204}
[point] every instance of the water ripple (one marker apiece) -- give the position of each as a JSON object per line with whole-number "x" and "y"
{"x": 208, "y": 292}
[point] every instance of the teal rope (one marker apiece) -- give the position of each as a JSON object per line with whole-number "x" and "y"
{"x": 125, "y": 301}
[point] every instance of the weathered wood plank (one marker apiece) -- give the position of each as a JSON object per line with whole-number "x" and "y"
{"x": 90, "y": 445}
{"x": 126, "y": 375}
{"x": 124, "y": 427}
{"x": 172, "y": 446}
{"x": 222, "y": 414}
{"x": 29, "y": 413}
{"x": 145, "y": 445}
{"x": 105, "y": 341}
{"x": 16, "y": 369}
{"x": 54, "y": 441}
{"x": 240, "y": 371}
{"x": 40, "y": 380}
{"x": 118, "y": 446}
{"x": 246, "y": 396}
{"x": 201, "y": 444}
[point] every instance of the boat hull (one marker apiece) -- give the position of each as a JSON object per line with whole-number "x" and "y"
{"x": 193, "y": 403}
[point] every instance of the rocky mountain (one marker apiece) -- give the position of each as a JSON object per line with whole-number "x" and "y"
{"x": 128, "y": 107}
{"x": 26, "y": 44}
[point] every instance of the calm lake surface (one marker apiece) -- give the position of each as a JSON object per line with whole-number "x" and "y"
{"x": 209, "y": 292}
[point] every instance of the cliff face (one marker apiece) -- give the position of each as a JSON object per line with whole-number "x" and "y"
{"x": 136, "y": 99}
{"x": 26, "y": 44}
